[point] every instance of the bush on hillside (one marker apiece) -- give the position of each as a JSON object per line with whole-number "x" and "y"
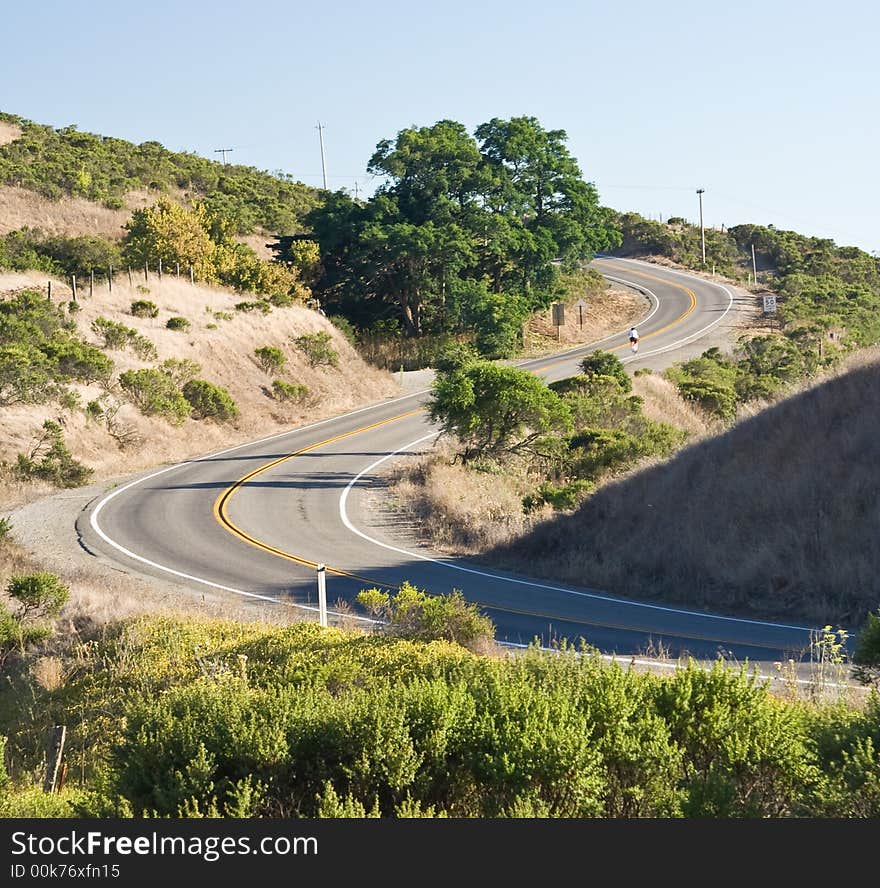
{"x": 177, "y": 323}
{"x": 155, "y": 393}
{"x": 270, "y": 359}
{"x": 50, "y": 460}
{"x": 289, "y": 391}
{"x": 209, "y": 401}
{"x": 144, "y": 308}
{"x": 318, "y": 349}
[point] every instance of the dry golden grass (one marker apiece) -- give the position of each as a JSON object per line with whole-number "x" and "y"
{"x": 778, "y": 518}
{"x": 75, "y": 216}
{"x": 459, "y": 509}
{"x": 662, "y": 403}
{"x": 9, "y": 132}
{"x": 69, "y": 216}
{"x": 226, "y": 357}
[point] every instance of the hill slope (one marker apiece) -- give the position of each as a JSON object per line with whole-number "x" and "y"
{"x": 778, "y": 518}
{"x": 225, "y": 352}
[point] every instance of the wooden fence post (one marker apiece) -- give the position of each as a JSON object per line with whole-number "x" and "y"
{"x": 53, "y": 758}
{"x": 91, "y": 283}
{"x": 160, "y": 269}
{"x": 192, "y": 278}
{"x": 110, "y": 278}
{"x": 130, "y": 281}
{"x": 73, "y": 277}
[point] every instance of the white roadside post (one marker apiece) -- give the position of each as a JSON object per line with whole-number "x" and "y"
{"x": 322, "y": 594}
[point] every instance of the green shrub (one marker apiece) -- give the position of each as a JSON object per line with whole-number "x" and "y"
{"x": 223, "y": 316}
{"x": 289, "y": 391}
{"x": 143, "y": 348}
{"x": 40, "y": 596}
{"x": 50, "y": 460}
{"x": 567, "y": 496}
{"x": 318, "y": 349}
{"x": 5, "y": 529}
{"x": 709, "y": 381}
{"x": 117, "y": 336}
{"x": 25, "y": 375}
{"x": 346, "y": 328}
{"x": 177, "y": 323}
{"x": 270, "y": 359}
{"x": 602, "y": 363}
{"x": 155, "y": 393}
{"x": 413, "y": 613}
{"x": 209, "y": 401}
{"x": 113, "y": 334}
{"x": 75, "y": 359}
{"x": 144, "y": 308}
{"x": 258, "y": 305}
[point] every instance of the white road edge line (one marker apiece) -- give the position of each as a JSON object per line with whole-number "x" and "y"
{"x": 343, "y": 514}
{"x": 96, "y": 527}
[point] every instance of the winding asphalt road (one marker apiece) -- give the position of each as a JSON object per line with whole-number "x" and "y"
{"x": 256, "y": 519}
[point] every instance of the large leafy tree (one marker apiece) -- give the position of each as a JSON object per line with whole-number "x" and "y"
{"x": 493, "y": 409}
{"x": 455, "y": 219}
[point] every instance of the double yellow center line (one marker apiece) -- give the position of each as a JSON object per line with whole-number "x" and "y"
{"x": 221, "y": 504}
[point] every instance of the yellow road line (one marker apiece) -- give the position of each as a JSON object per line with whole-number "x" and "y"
{"x": 222, "y": 501}
{"x": 222, "y": 517}
{"x": 662, "y": 329}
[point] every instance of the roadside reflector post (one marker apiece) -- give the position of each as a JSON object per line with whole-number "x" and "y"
{"x": 322, "y": 594}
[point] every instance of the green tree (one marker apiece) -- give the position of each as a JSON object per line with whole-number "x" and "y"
{"x": 494, "y": 409}
{"x": 867, "y": 653}
{"x": 173, "y": 234}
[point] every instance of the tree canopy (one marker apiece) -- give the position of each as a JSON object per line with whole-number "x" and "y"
{"x": 463, "y": 229}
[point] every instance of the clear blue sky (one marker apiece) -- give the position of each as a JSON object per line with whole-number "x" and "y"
{"x": 771, "y": 106}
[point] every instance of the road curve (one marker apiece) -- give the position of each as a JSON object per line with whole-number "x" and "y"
{"x": 254, "y": 520}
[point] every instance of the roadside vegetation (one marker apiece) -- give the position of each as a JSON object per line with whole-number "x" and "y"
{"x": 67, "y": 162}
{"x": 112, "y": 383}
{"x": 773, "y": 519}
{"x": 828, "y": 300}
{"x": 172, "y": 716}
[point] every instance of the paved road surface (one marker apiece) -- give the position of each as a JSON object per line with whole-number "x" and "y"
{"x": 257, "y": 518}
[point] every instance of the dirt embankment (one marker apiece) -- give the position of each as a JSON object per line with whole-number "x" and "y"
{"x": 222, "y": 341}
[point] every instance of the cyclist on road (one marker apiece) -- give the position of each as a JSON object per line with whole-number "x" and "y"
{"x": 633, "y": 336}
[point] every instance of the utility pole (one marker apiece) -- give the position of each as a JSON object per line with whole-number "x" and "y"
{"x": 323, "y": 158}
{"x": 224, "y": 152}
{"x": 754, "y": 266}
{"x": 702, "y": 230}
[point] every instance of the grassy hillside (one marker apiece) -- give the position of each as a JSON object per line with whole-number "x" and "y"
{"x": 113, "y": 429}
{"x": 170, "y": 716}
{"x": 65, "y": 162}
{"x": 828, "y": 300}
{"x": 778, "y": 517}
